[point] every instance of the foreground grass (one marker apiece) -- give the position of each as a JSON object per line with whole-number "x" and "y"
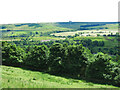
{"x": 13, "y": 77}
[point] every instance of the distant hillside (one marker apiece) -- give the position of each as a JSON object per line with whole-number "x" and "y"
{"x": 77, "y": 25}
{"x": 22, "y": 30}
{"x": 70, "y": 25}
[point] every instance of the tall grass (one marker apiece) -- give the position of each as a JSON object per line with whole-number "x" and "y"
{"x": 13, "y": 77}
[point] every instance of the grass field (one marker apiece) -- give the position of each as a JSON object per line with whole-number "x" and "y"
{"x": 13, "y": 77}
{"x": 45, "y": 38}
{"x": 13, "y": 32}
{"x": 43, "y": 27}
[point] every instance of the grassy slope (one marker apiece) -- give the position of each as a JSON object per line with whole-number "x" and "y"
{"x": 44, "y": 27}
{"x": 76, "y": 25}
{"x": 13, "y": 77}
{"x": 26, "y": 29}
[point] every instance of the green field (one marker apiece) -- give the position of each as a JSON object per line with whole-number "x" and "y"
{"x": 45, "y": 38}
{"x": 35, "y": 32}
{"x": 13, "y": 77}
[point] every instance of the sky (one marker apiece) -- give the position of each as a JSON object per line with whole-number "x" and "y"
{"x": 36, "y": 11}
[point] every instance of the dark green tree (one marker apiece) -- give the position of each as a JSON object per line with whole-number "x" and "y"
{"x": 77, "y": 59}
{"x": 57, "y": 55}
{"x": 98, "y": 67}
{"x": 37, "y": 57}
{"x": 11, "y": 54}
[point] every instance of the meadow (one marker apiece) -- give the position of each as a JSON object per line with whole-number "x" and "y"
{"x": 14, "y": 77}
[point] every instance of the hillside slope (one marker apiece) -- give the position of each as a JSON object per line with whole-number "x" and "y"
{"x": 13, "y": 77}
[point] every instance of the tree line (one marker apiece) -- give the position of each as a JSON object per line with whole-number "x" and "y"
{"x": 94, "y": 46}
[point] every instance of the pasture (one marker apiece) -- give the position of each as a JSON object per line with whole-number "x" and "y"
{"x": 13, "y": 77}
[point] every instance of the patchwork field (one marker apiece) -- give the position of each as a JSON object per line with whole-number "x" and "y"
{"x": 88, "y": 32}
{"x": 20, "y": 31}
